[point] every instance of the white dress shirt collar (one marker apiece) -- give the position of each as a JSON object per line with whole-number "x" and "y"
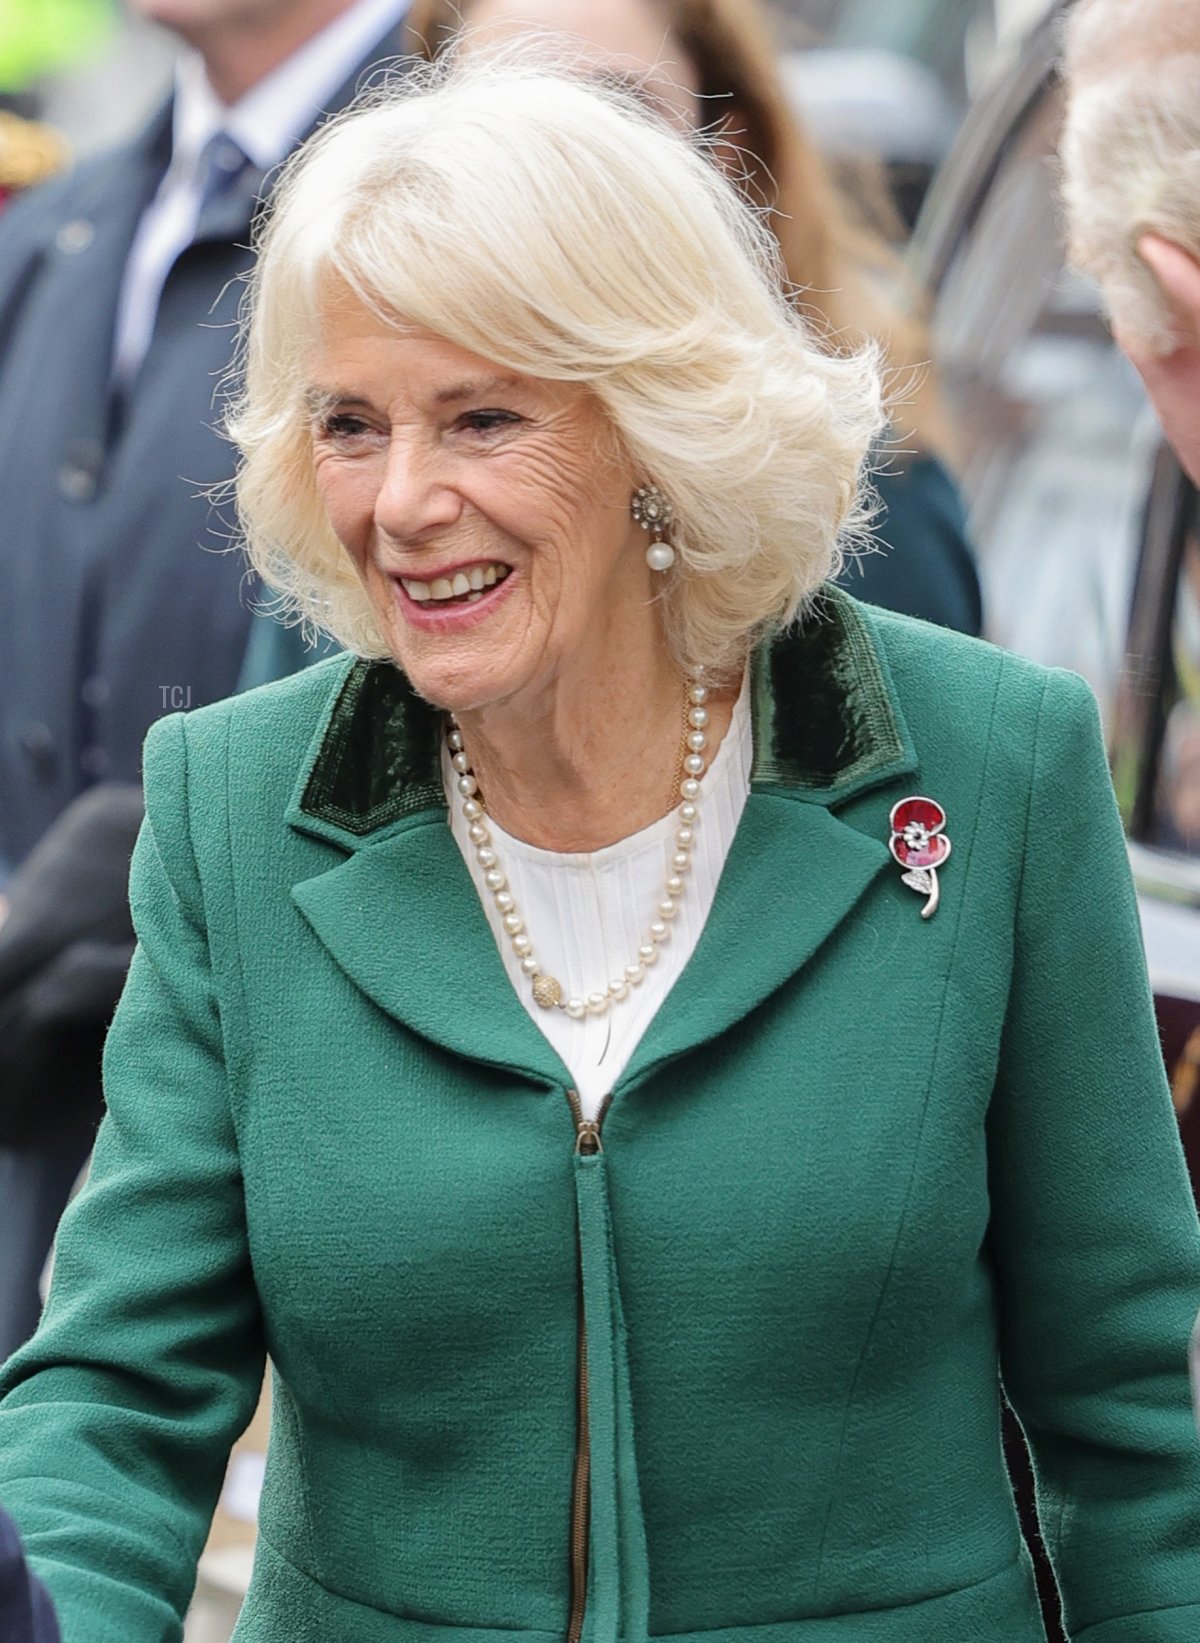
{"x": 265, "y": 123}
{"x": 269, "y": 119}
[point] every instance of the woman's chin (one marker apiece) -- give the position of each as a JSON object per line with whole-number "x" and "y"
{"x": 455, "y": 689}
{"x": 454, "y": 658}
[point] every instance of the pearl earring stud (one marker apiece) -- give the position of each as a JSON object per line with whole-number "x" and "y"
{"x": 654, "y": 513}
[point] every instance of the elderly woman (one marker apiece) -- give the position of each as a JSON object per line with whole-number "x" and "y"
{"x": 562, "y": 1033}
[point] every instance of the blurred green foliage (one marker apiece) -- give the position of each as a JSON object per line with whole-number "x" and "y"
{"x": 38, "y": 36}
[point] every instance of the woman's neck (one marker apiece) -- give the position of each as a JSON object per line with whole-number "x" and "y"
{"x": 575, "y": 769}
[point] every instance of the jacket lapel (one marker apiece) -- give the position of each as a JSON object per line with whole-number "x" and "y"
{"x": 826, "y": 729}
{"x": 403, "y": 919}
{"x": 793, "y": 874}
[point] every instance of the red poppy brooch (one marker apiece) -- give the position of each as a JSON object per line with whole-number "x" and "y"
{"x": 920, "y": 846}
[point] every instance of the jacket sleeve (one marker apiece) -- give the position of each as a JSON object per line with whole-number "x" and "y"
{"x": 1094, "y": 1229}
{"x": 117, "y": 1418}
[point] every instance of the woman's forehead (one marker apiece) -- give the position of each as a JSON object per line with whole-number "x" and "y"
{"x": 349, "y": 330}
{"x": 361, "y": 354}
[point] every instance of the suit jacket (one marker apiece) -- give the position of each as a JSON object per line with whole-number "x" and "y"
{"x": 118, "y": 602}
{"x": 735, "y": 1371}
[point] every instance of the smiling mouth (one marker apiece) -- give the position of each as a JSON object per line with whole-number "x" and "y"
{"x": 465, "y": 587}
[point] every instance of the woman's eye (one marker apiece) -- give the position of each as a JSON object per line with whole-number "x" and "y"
{"x": 486, "y": 422}
{"x": 341, "y": 426}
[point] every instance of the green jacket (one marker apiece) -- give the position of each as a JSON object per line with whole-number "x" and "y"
{"x": 860, "y": 1160}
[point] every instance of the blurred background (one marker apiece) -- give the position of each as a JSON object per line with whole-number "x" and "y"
{"x": 898, "y": 75}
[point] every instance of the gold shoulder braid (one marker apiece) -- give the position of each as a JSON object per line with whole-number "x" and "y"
{"x": 29, "y": 152}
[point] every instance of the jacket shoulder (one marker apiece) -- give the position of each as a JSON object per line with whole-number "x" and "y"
{"x": 84, "y": 186}
{"x": 87, "y": 194}
{"x": 988, "y": 726}
{"x": 953, "y": 676}
{"x": 50, "y": 202}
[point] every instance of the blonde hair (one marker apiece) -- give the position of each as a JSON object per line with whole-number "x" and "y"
{"x": 1130, "y": 150}
{"x": 559, "y": 230}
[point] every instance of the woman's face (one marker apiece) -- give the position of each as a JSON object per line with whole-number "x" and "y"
{"x": 486, "y": 513}
{"x": 628, "y": 38}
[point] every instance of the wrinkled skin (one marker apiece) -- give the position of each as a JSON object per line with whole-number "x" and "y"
{"x": 430, "y": 460}
{"x": 509, "y": 470}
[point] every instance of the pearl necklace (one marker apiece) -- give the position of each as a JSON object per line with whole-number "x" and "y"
{"x": 548, "y": 991}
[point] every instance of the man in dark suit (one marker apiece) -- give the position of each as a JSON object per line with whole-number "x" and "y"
{"x": 119, "y": 288}
{"x": 26, "y": 1614}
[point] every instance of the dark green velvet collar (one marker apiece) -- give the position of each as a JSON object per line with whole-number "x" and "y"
{"x": 826, "y": 726}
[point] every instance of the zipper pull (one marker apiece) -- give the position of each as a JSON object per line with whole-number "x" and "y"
{"x": 587, "y": 1136}
{"x": 587, "y": 1130}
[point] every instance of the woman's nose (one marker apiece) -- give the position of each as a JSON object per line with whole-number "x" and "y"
{"x": 415, "y": 496}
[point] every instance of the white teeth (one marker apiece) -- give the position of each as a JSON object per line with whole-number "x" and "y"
{"x": 463, "y": 584}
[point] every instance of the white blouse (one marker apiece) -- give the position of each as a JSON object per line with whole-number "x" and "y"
{"x": 588, "y": 912}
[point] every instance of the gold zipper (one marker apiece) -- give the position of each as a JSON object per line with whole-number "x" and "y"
{"x": 587, "y": 1140}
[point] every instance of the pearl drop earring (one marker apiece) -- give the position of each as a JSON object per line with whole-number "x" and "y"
{"x": 654, "y": 513}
